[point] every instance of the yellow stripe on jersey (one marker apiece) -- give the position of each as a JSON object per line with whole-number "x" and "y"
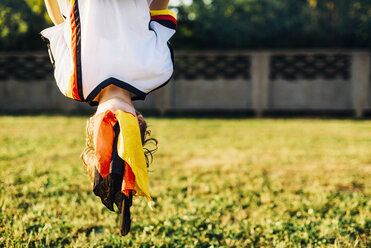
{"x": 163, "y": 12}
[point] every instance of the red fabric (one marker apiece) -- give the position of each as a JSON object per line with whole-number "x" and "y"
{"x": 103, "y": 140}
{"x": 75, "y": 91}
{"x": 128, "y": 183}
{"x": 164, "y": 17}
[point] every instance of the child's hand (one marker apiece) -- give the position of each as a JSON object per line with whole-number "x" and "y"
{"x": 159, "y": 4}
{"x": 54, "y": 12}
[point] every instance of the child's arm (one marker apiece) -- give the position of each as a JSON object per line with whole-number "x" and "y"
{"x": 159, "y": 4}
{"x": 54, "y": 12}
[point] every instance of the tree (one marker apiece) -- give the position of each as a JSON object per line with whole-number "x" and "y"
{"x": 251, "y": 24}
{"x": 20, "y": 24}
{"x": 225, "y": 24}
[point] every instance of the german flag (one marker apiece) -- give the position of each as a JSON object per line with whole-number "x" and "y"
{"x": 165, "y": 17}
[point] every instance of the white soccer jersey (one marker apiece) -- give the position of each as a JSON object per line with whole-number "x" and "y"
{"x": 104, "y": 42}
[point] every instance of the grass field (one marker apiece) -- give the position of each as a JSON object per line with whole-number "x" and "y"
{"x": 216, "y": 183}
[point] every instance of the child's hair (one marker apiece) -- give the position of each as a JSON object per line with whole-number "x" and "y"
{"x": 149, "y": 144}
{"x": 89, "y": 159}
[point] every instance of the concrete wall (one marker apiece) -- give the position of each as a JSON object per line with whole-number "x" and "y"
{"x": 40, "y": 95}
{"x": 310, "y": 95}
{"x": 211, "y": 95}
{"x": 259, "y": 92}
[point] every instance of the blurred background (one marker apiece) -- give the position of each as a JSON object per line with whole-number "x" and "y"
{"x": 250, "y": 57}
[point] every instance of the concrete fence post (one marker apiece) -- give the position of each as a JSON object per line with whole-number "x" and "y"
{"x": 360, "y": 76}
{"x": 260, "y": 81}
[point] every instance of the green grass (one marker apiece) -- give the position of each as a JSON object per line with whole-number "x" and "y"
{"x": 216, "y": 183}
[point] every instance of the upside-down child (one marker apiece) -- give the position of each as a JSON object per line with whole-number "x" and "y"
{"x": 109, "y": 53}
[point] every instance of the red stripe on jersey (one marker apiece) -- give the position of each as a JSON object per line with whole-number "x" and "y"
{"x": 164, "y": 17}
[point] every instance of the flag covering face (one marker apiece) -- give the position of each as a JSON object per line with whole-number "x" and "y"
{"x": 129, "y": 149}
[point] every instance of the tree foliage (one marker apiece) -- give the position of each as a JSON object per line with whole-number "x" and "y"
{"x": 20, "y": 24}
{"x": 225, "y": 24}
{"x": 235, "y": 24}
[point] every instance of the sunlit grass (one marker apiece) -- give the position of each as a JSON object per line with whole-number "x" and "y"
{"x": 216, "y": 182}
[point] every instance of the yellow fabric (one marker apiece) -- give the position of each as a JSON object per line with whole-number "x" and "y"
{"x": 130, "y": 149}
{"x": 68, "y": 92}
{"x": 163, "y": 12}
